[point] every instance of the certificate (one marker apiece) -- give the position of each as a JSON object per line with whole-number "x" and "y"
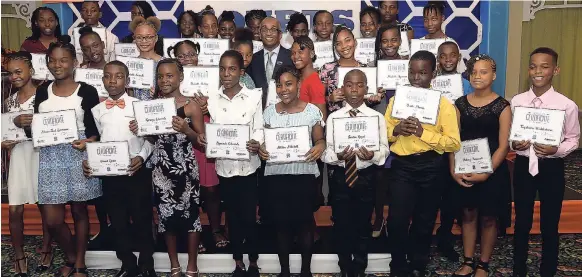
{"x": 370, "y": 75}
{"x": 473, "y": 157}
{"x": 211, "y": 49}
{"x": 170, "y": 42}
{"x": 272, "y": 96}
{"x": 52, "y": 128}
{"x": 366, "y": 50}
{"x": 257, "y": 46}
{"x": 404, "y": 49}
{"x": 41, "y": 71}
{"x": 450, "y": 85}
{"x": 154, "y": 117}
{"x": 543, "y": 126}
{"x": 199, "y": 79}
{"x": 392, "y": 73}
{"x": 92, "y": 77}
{"x": 287, "y": 145}
{"x": 108, "y": 158}
{"x": 141, "y": 72}
{"x": 356, "y": 132}
{"x": 430, "y": 45}
{"x": 227, "y": 141}
{"x": 324, "y": 53}
{"x": 102, "y": 32}
{"x": 417, "y": 102}
{"x": 126, "y": 50}
{"x": 9, "y": 130}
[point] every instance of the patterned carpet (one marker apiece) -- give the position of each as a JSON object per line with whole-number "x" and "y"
{"x": 570, "y": 258}
{"x": 573, "y": 164}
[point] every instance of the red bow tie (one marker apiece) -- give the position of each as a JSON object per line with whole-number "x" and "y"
{"x": 112, "y": 103}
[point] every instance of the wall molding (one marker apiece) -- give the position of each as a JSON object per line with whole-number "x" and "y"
{"x": 530, "y": 8}
{"x": 23, "y": 11}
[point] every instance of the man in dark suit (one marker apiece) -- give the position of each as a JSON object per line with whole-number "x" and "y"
{"x": 267, "y": 61}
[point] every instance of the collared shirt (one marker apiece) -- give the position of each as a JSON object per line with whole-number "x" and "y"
{"x": 113, "y": 125}
{"x": 245, "y": 107}
{"x": 442, "y": 137}
{"x": 552, "y": 99}
{"x": 330, "y": 157}
{"x": 110, "y": 41}
{"x": 273, "y": 57}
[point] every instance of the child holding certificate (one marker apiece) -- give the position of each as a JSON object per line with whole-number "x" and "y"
{"x": 23, "y": 165}
{"x": 175, "y": 171}
{"x": 353, "y": 175}
{"x": 292, "y": 184}
{"x": 417, "y": 170}
{"x": 540, "y": 168}
{"x": 484, "y": 197}
{"x": 61, "y": 178}
{"x": 237, "y": 105}
{"x": 126, "y": 197}
{"x": 145, "y": 34}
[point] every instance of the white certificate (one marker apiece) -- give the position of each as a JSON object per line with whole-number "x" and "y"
{"x": 102, "y": 32}
{"x": 9, "y": 130}
{"x": 356, "y": 132}
{"x": 324, "y": 52}
{"x": 211, "y": 49}
{"x": 430, "y": 45}
{"x": 199, "y": 79}
{"x": 417, "y": 102}
{"x": 392, "y": 73}
{"x": 169, "y": 42}
{"x": 108, "y": 158}
{"x": 257, "y": 46}
{"x": 41, "y": 71}
{"x": 366, "y": 50}
{"x": 450, "y": 85}
{"x": 52, "y": 128}
{"x": 92, "y": 77}
{"x": 227, "y": 141}
{"x": 272, "y": 96}
{"x": 287, "y": 145}
{"x": 141, "y": 72}
{"x": 154, "y": 117}
{"x": 126, "y": 50}
{"x": 473, "y": 157}
{"x": 543, "y": 126}
{"x": 370, "y": 75}
{"x": 404, "y": 49}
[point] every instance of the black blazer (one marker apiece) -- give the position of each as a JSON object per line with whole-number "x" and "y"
{"x": 257, "y": 69}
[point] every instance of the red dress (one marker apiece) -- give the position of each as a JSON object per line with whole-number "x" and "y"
{"x": 312, "y": 90}
{"x": 206, "y": 167}
{"x": 33, "y": 46}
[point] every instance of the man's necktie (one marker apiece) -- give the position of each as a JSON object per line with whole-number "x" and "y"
{"x": 269, "y": 68}
{"x": 112, "y": 103}
{"x": 533, "y": 159}
{"x": 351, "y": 169}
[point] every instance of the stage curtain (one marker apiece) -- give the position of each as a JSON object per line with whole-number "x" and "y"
{"x": 559, "y": 29}
{"x": 14, "y": 30}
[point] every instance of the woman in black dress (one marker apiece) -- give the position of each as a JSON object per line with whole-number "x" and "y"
{"x": 483, "y": 196}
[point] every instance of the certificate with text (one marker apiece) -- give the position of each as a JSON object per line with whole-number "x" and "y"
{"x": 416, "y": 102}
{"x": 257, "y": 46}
{"x": 141, "y": 72}
{"x": 430, "y": 45}
{"x": 9, "y": 130}
{"x": 286, "y": 145}
{"x": 356, "y": 132}
{"x": 200, "y": 79}
{"x": 126, "y": 50}
{"x": 324, "y": 53}
{"x": 227, "y": 141}
{"x": 211, "y": 49}
{"x": 370, "y": 76}
{"x": 53, "y": 128}
{"x": 92, "y": 77}
{"x": 404, "y": 49}
{"x": 450, "y": 85}
{"x": 542, "y": 126}
{"x": 108, "y": 158}
{"x": 154, "y": 117}
{"x": 366, "y": 50}
{"x": 41, "y": 71}
{"x": 473, "y": 157}
{"x": 392, "y": 73}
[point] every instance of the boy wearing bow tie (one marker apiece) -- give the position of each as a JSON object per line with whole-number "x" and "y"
{"x": 127, "y": 197}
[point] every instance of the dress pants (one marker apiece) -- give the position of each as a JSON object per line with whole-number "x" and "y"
{"x": 449, "y": 205}
{"x": 240, "y": 197}
{"x": 130, "y": 198}
{"x": 550, "y": 183}
{"x": 415, "y": 193}
{"x": 352, "y": 212}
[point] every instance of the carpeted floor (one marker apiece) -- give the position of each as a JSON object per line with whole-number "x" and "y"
{"x": 570, "y": 258}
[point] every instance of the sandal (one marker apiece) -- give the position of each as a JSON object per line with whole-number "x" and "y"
{"x": 18, "y": 269}
{"x": 175, "y": 270}
{"x": 221, "y": 241}
{"x": 482, "y": 266}
{"x": 80, "y": 270}
{"x": 466, "y": 262}
{"x": 72, "y": 267}
{"x": 44, "y": 267}
{"x": 191, "y": 273}
{"x": 201, "y": 248}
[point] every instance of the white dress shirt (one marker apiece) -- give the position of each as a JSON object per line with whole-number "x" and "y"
{"x": 330, "y": 157}
{"x": 273, "y": 58}
{"x": 110, "y": 41}
{"x": 245, "y": 107}
{"x": 113, "y": 125}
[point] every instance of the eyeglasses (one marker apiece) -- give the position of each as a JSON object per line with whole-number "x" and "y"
{"x": 144, "y": 39}
{"x": 188, "y": 55}
{"x": 270, "y": 31}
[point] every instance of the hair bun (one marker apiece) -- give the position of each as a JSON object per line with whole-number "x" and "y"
{"x": 152, "y": 20}
{"x": 227, "y": 15}
{"x": 65, "y": 39}
{"x": 85, "y": 30}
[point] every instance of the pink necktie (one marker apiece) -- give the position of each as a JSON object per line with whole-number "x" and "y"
{"x": 533, "y": 159}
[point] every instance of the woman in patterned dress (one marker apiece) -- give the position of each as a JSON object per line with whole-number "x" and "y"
{"x": 175, "y": 171}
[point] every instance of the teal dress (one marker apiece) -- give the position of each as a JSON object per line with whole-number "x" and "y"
{"x": 247, "y": 81}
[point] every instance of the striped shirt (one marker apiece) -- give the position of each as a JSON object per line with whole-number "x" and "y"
{"x": 310, "y": 116}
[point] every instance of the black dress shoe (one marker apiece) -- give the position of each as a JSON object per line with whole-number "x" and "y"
{"x": 123, "y": 272}
{"x": 361, "y": 273}
{"x": 148, "y": 273}
{"x": 448, "y": 251}
{"x": 418, "y": 273}
{"x": 253, "y": 271}
{"x": 345, "y": 273}
{"x": 239, "y": 272}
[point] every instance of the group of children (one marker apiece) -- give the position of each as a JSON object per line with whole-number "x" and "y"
{"x": 414, "y": 163}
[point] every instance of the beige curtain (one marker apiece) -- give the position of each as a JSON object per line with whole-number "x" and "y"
{"x": 561, "y": 30}
{"x": 14, "y": 30}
